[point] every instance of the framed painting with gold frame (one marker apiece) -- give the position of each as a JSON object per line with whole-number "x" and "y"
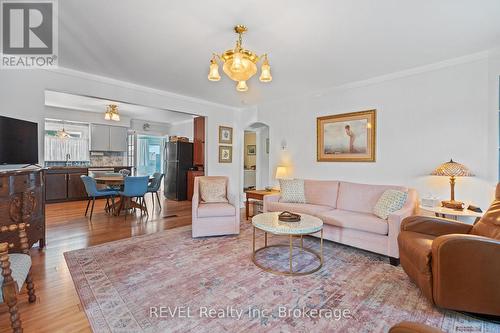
{"x": 225, "y": 154}
{"x": 348, "y": 137}
{"x": 225, "y": 135}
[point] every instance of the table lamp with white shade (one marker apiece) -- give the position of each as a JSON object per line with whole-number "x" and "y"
{"x": 281, "y": 172}
{"x": 452, "y": 169}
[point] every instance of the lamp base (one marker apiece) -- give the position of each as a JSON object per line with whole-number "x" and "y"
{"x": 452, "y": 204}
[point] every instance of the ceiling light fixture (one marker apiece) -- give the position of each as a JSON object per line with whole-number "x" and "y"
{"x": 112, "y": 113}
{"x": 62, "y": 134}
{"x": 239, "y": 64}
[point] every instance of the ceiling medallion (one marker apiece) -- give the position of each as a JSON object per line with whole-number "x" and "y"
{"x": 112, "y": 113}
{"x": 239, "y": 64}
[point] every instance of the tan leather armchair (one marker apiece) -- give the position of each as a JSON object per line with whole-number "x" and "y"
{"x": 456, "y": 265}
{"x": 410, "y": 327}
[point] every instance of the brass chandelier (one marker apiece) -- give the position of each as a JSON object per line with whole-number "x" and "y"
{"x": 112, "y": 113}
{"x": 239, "y": 64}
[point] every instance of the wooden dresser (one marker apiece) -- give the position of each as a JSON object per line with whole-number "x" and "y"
{"x": 22, "y": 199}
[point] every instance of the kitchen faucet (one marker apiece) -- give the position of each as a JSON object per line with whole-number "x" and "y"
{"x": 68, "y": 157}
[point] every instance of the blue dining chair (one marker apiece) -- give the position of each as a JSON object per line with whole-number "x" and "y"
{"x": 154, "y": 187}
{"x": 93, "y": 193}
{"x": 135, "y": 187}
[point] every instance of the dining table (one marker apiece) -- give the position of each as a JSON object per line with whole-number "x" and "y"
{"x": 117, "y": 207}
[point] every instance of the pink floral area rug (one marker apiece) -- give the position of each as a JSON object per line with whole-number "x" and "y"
{"x": 169, "y": 282}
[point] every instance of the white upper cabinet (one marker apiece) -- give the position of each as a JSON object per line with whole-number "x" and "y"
{"x": 118, "y": 138}
{"x": 108, "y": 138}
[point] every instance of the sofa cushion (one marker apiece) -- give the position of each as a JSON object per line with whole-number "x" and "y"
{"x": 321, "y": 192}
{"x": 292, "y": 190}
{"x": 354, "y": 220}
{"x": 362, "y": 197}
{"x": 297, "y": 208}
{"x": 390, "y": 202}
{"x": 213, "y": 190}
{"x": 216, "y": 209}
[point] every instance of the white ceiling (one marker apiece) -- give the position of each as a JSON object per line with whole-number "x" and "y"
{"x": 132, "y": 111}
{"x": 311, "y": 44}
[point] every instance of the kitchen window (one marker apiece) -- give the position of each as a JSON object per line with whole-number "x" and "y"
{"x": 71, "y": 149}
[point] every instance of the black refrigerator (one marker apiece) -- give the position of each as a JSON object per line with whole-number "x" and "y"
{"x": 178, "y": 160}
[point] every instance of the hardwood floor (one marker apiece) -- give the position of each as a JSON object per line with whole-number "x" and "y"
{"x": 57, "y": 308}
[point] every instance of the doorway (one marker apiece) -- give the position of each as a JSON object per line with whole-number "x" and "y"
{"x": 256, "y": 157}
{"x": 149, "y": 154}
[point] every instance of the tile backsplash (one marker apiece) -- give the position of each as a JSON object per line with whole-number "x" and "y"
{"x": 108, "y": 158}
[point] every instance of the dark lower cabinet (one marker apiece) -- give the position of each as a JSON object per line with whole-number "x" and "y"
{"x": 64, "y": 184}
{"x": 76, "y": 188}
{"x": 22, "y": 201}
{"x": 56, "y": 188}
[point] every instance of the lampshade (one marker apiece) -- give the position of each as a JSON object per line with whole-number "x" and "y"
{"x": 213, "y": 73}
{"x": 281, "y": 172}
{"x": 107, "y": 115}
{"x": 265, "y": 75}
{"x": 115, "y": 116}
{"x": 452, "y": 169}
{"x": 242, "y": 86}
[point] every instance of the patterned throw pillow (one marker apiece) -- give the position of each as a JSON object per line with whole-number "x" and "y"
{"x": 213, "y": 190}
{"x": 389, "y": 202}
{"x": 292, "y": 190}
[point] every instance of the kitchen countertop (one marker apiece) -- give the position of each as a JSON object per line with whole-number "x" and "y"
{"x": 64, "y": 167}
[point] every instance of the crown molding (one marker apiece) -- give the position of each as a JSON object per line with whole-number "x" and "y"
{"x": 133, "y": 86}
{"x": 395, "y": 75}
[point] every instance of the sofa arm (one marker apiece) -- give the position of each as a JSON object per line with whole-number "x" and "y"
{"x": 465, "y": 271}
{"x": 434, "y": 226}
{"x": 394, "y": 224}
{"x": 270, "y": 198}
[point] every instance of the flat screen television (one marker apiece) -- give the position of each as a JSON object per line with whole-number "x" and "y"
{"x": 18, "y": 141}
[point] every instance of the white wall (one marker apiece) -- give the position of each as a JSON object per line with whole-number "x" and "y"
{"x": 158, "y": 129}
{"x": 83, "y": 116}
{"x": 184, "y": 128}
{"x": 22, "y": 96}
{"x": 424, "y": 117}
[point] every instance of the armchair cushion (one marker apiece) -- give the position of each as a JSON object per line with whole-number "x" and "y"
{"x": 216, "y": 209}
{"x": 213, "y": 190}
{"x": 20, "y": 265}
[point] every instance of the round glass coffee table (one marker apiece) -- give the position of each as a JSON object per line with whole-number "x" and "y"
{"x": 269, "y": 223}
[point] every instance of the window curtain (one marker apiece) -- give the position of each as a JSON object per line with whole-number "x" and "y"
{"x": 56, "y": 149}
{"x": 142, "y": 152}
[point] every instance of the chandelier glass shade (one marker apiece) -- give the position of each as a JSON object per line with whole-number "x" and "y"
{"x": 239, "y": 64}
{"x": 112, "y": 113}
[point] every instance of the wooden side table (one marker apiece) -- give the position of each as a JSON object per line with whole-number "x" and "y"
{"x": 256, "y": 195}
{"x": 443, "y": 212}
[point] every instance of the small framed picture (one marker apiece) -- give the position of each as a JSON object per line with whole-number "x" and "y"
{"x": 251, "y": 149}
{"x": 225, "y": 154}
{"x": 225, "y": 135}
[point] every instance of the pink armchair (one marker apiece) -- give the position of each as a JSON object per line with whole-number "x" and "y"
{"x": 214, "y": 219}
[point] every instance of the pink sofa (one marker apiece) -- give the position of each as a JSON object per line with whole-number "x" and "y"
{"x": 214, "y": 219}
{"x": 346, "y": 210}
